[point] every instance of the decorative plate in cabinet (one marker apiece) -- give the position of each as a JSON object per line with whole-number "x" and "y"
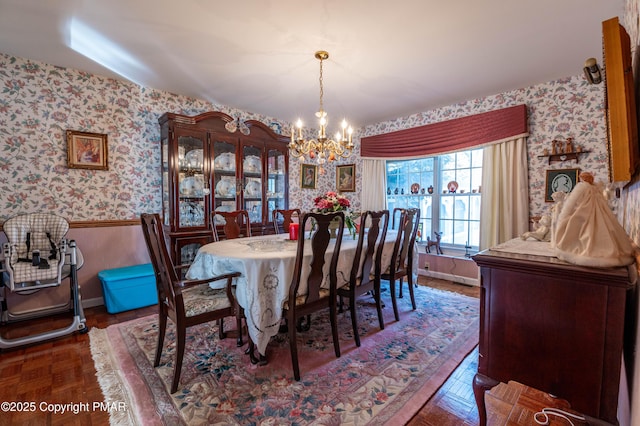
{"x": 225, "y": 162}
{"x": 226, "y": 188}
{"x": 252, "y": 164}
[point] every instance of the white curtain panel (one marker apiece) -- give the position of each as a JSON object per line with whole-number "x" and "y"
{"x": 374, "y": 181}
{"x": 505, "y": 192}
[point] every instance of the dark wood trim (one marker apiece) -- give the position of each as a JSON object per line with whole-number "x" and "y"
{"x": 100, "y": 223}
{"x": 548, "y": 267}
{"x": 103, "y": 223}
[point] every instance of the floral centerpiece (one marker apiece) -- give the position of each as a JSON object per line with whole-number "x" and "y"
{"x": 334, "y": 202}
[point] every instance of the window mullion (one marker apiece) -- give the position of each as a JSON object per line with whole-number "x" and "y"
{"x": 435, "y": 200}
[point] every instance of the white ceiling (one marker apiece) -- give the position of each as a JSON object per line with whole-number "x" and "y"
{"x": 387, "y": 59}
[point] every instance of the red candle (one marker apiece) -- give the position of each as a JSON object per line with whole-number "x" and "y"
{"x": 293, "y": 231}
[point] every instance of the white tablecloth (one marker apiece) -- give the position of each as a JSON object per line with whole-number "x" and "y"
{"x": 266, "y": 264}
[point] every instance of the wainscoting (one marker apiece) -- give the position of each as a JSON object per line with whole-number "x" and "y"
{"x": 104, "y": 245}
{"x": 452, "y": 266}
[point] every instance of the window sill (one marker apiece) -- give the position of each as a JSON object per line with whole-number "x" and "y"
{"x": 447, "y": 251}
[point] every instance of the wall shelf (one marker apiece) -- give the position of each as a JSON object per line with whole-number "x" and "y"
{"x": 564, "y": 156}
{"x": 429, "y": 195}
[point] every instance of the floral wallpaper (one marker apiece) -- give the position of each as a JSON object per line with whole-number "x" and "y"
{"x": 39, "y": 102}
{"x": 303, "y": 198}
{"x": 629, "y": 215}
{"x": 556, "y": 110}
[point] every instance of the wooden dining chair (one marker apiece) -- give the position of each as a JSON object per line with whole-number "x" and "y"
{"x": 287, "y": 216}
{"x": 401, "y": 264}
{"x": 366, "y": 269}
{"x": 310, "y": 270}
{"x": 236, "y": 225}
{"x": 185, "y": 302}
{"x": 396, "y": 212}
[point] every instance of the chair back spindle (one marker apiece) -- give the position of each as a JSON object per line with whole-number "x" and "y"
{"x": 402, "y": 258}
{"x": 287, "y": 219}
{"x": 236, "y": 225}
{"x": 367, "y": 266}
{"x": 311, "y": 270}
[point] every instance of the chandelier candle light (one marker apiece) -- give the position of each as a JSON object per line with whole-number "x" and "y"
{"x": 323, "y": 148}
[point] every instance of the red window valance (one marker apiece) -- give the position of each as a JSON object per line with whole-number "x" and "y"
{"x": 447, "y": 136}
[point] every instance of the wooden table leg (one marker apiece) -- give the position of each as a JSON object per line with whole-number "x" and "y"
{"x": 260, "y": 359}
{"x": 481, "y": 384}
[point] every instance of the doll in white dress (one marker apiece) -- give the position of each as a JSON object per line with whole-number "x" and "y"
{"x": 587, "y": 232}
{"x": 558, "y": 199}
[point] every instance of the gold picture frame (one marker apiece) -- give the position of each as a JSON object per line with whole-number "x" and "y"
{"x": 346, "y": 178}
{"x": 308, "y": 176}
{"x": 87, "y": 150}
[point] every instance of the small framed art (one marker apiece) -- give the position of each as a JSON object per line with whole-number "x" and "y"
{"x": 346, "y": 178}
{"x": 560, "y": 180}
{"x": 87, "y": 150}
{"x": 308, "y": 176}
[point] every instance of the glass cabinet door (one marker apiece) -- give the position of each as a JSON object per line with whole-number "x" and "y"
{"x": 252, "y": 176}
{"x": 191, "y": 183}
{"x": 166, "y": 208}
{"x": 276, "y": 181}
{"x": 224, "y": 178}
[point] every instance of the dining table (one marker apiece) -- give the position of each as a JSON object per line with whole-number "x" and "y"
{"x": 266, "y": 265}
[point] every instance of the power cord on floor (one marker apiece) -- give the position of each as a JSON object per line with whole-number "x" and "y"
{"x": 546, "y": 412}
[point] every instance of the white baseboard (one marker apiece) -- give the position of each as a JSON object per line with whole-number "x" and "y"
{"x": 444, "y": 276}
{"x": 90, "y": 303}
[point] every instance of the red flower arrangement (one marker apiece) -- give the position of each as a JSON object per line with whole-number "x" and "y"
{"x": 334, "y": 202}
{"x": 331, "y": 202}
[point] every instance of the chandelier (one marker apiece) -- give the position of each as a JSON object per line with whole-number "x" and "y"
{"x": 322, "y": 148}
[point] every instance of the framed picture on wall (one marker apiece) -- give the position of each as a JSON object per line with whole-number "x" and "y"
{"x": 560, "y": 180}
{"x": 346, "y": 178}
{"x": 87, "y": 150}
{"x": 308, "y": 176}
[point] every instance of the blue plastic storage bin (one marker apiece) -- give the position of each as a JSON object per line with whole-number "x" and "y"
{"x": 128, "y": 288}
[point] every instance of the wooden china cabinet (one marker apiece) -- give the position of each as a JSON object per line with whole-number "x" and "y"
{"x": 211, "y": 162}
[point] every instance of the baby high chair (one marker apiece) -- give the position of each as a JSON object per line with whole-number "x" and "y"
{"x": 37, "y": 256}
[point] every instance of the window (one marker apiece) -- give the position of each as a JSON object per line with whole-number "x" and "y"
{"x": 448, "y": 195}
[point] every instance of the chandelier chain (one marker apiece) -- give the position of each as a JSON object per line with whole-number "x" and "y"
{"x": 321, "y": 89}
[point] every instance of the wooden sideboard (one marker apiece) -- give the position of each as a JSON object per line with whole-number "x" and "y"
{"x": 554, "y": 326}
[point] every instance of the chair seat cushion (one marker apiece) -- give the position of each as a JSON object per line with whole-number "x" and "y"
{"x": 347, "y": 286}
{"x": 402, "y": 270}
{"x": 25, "y": 272}
{"x": 300, "y": 300}
{"x": 202, "y": 298}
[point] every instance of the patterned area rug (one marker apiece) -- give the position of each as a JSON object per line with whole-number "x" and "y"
{"x": 385, "y": 381}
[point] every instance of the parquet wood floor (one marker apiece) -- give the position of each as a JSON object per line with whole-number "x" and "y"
{"x": 61, "y": 372}
{"x": 453, "y": 404}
